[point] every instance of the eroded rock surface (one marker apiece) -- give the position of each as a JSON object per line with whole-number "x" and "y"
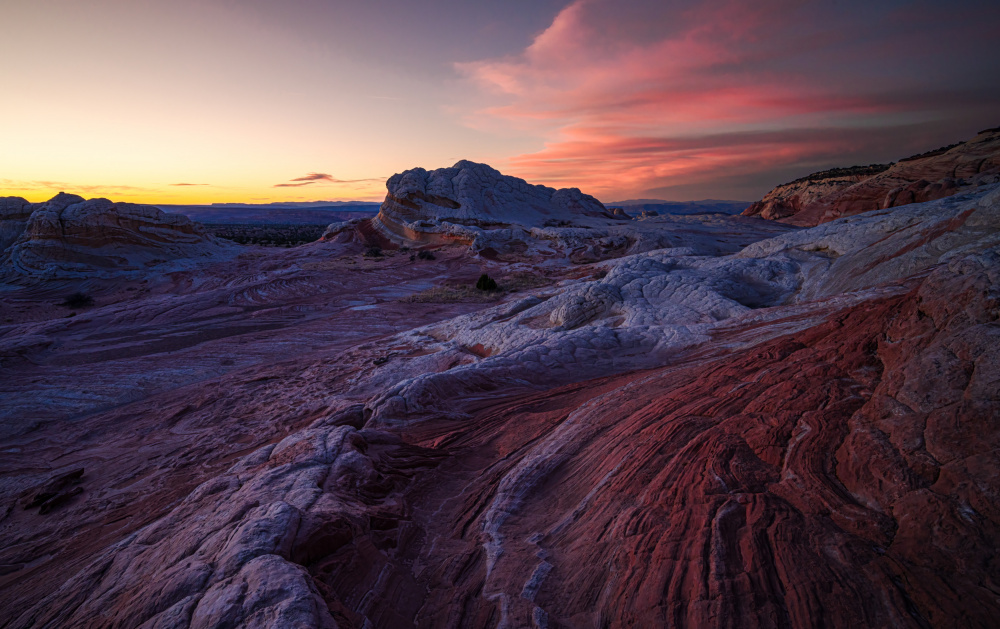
{"x": 926, "y": 177}
{"x": 508, "y": 219}
{"x": 70, "y": 238}
{"x": 800, "y": 432}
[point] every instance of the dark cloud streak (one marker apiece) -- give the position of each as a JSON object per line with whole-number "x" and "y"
{"x": 312, "y": 178}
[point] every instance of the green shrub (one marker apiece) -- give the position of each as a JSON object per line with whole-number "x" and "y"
{"x": 486, "y": 283}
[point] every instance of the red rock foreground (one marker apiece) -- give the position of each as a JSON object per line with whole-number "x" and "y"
{"x": 800, "y": 434}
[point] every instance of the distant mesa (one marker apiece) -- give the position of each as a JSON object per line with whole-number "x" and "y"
{"x": 69, "y": 237}
{"x": 830, "y": 194}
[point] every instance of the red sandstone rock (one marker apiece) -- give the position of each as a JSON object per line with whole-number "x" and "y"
{"x": 927, "y": 177}
{"x": 803, "y": 433}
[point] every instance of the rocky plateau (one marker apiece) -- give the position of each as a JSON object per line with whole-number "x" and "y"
{"x": 827, "y": 195}
{"x": 684, "y": 421}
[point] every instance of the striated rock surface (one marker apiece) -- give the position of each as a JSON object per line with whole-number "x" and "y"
{"x": 802, "y": 432}
{"x": 506, "y": 218}
{"x": 475, "y": 194}
{"x": 933, "y": 175}
{"x": 70, "y": 238}
{"x": 473, "y": 204}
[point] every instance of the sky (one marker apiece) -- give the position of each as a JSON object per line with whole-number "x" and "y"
{"x": 201, "y": 101}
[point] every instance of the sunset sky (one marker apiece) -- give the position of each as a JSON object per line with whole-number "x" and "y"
{"x": 186, "y": 101}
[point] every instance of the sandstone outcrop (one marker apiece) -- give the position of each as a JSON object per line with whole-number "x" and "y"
{"x": 70, "y": 238}
{"x": 472, "y": 204}
{"x": 933, "y": 175}
{"x": 802, "y": 431}
{"x": 477, "y": 195}
{"x": 505, "y": 218}
{"x": 756, "y": 426}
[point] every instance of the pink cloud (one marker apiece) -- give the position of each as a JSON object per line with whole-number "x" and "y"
{"x": 627, "y": 98}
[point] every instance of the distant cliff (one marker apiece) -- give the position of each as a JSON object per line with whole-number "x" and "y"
{"x": 827, "y": 195}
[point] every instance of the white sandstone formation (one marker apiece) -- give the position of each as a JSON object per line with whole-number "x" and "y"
{"x": 652, "y": 307}
{"x": 69, "y": 238}
{"x": 508, "y": 219}
{"x": 231, "y": 553}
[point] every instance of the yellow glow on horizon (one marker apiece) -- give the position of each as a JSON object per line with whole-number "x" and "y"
{"x": 35, "y": 192}
{"x": 242, "y": 106}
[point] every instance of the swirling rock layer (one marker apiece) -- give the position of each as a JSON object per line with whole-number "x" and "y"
{"x": 801, "y": 433}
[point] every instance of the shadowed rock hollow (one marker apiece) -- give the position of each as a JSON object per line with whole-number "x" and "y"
{"x": 795, "y": 431}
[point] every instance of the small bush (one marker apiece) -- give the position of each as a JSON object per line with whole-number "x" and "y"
{"x": 425, "y": 255}
{"x": 78, "y": 300}
{"x": 486, "y": 283}
{"x": 373, "y": 252}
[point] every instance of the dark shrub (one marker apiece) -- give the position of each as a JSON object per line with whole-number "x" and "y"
{"x": 486, "y": 283}
{"x": 78, "y": 300}
{"x": 373, "y": 252}
{"x": 425, "y": 255}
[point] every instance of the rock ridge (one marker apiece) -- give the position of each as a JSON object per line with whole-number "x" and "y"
{"x": 936, "y": 174}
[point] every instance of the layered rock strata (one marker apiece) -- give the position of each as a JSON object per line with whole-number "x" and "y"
{"x": 926, "y": 177}
{"x": 70, "y": 238}
{"x": 801, "y": 432}
{"x": 505, "y": 218}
